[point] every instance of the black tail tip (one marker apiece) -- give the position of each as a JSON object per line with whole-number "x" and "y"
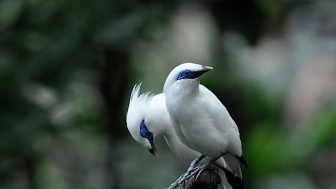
{"x": 235, "y": 182}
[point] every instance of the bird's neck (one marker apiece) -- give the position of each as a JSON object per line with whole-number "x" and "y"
{"x": 162, "y": 125}
{"x": 187, "y": 90}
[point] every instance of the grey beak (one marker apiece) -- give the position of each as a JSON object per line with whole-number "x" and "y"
{"x": 153, "y": 151}
{"x": 206, "y": 69}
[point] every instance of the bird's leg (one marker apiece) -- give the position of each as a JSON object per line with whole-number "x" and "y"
{"x": 199, "y": 170}
{"x": 190, "y": 169}
{"x": 194, "y": 163}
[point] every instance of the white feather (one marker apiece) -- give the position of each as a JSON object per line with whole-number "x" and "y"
{"x": 152, "y": 109}
{"x": 199, "y": 118}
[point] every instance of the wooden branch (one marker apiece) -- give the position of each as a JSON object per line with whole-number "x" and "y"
{"x": 209, "y": 179}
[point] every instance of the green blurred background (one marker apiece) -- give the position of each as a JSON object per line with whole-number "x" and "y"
{"x": 67, "y": 69}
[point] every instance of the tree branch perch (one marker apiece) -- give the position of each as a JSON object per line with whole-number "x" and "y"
{"x": 209, "y": 179}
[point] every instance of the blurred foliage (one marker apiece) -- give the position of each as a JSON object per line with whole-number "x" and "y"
{"x": 67, "y": 68}
{"x": 51, "y": 54}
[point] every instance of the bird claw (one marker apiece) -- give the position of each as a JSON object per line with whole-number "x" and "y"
{"x": 194, "y": 163}
{"x": 199, "y": 170}
{"x": 190, "y": 172}
{"x": 199, "y": 173}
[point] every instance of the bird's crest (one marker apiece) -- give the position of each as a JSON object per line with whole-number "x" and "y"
{"x": 136, "y": 113}
{"x": 137, "y": 99}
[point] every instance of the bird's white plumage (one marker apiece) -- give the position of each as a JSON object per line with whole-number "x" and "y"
{"x": 152, "y": 109}
{"x": 199, "y": 118}
{"x": 135, "y": 115}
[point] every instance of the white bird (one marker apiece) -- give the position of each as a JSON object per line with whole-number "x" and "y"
{"x": 199, "y": 118}
{"x": 147, "y": 118}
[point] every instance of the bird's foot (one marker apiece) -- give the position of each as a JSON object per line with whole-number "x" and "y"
{"x": 190, "y": 170}
{"x": 199, "y": 170}
{"x": 194, "y": 164}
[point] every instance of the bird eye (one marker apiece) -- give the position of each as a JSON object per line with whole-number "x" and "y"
{"x": 185, "y": 74}
{"x": 144, "y": 131}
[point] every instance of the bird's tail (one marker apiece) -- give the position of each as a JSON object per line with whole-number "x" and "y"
{"x": 233, "y": 171}
{"x": 233, "y": 165}
{"x": 225, "y": 183}
{"x": 230, "y": 172}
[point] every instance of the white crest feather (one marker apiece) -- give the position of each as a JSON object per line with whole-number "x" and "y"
{"x": 136, "y": 113}
{"x": 136, "y": 98}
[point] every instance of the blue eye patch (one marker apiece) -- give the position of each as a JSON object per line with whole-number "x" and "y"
{"x": 187, "y": 74}
{"x": 145, "y": 133}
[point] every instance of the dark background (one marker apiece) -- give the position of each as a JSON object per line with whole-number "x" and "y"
{"x": 67, "y": 69}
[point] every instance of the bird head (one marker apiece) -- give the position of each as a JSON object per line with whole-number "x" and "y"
{"x": 145, "y": 118}
{"x": 185, "y": 74}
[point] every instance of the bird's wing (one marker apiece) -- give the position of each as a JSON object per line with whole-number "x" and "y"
{"x": 221, "y": 120}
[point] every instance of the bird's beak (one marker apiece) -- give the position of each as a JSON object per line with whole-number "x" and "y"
{"x": 202, "y": 71}
{"x": 153, "y": 151}
{"x": 206, "y": 69}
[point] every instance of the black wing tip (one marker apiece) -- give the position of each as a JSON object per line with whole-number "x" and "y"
{"x": 243, "y": 161}
{"x": 235, "y": 182}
